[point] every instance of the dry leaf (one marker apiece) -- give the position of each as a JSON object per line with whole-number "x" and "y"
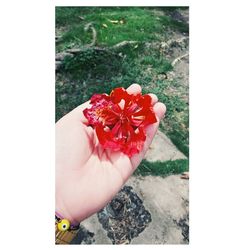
{"x": 122, "y": 21}
{"x": 104, "y": 25}
{"x": 114, "y": 21}
{"x": 185, "y": 176}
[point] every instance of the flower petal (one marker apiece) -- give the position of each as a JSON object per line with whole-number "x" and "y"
{"x": 120, "y": 119}
{"x": 118, "y": 94}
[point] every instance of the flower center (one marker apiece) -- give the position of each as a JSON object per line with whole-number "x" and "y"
{"x": 123, "y": 118}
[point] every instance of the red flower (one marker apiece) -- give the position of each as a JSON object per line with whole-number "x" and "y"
{"x": 120, "y": 119}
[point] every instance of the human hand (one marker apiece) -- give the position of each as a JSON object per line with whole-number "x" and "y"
{"x": 88, "y": 176}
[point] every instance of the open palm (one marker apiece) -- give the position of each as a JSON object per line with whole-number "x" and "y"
{"x": 88, "y": 176}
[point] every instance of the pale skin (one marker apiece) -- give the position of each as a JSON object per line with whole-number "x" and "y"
{"x": 88, "y": 176}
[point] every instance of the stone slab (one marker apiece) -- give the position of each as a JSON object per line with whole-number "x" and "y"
{"x": 167, "y": 199}
{"x": 162, "y": 149}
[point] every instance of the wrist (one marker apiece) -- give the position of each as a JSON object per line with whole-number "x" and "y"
{"x": 63, "y": 213}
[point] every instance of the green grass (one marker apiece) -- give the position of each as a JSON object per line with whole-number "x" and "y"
{"x": 128, "y": 27}
{"x": 162, "y": 168}
{"x": 134, "y": 23}
{"x": 95, "y": 71}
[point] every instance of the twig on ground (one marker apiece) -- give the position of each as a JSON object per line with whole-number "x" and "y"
{"x": 73, "y": 51}
{"x": 179, "y": 59}
{"x": 94, "y": 34}
{"x": 123, "y": 43}
{"x": 185, "y": 175}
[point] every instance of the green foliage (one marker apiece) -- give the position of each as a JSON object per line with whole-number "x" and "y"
{"x": 162, "y": 168}
{"x": 129, "y": 26}
{"x": 95, "y": 62}
{"x": 175, "y": 25}
{"x": 160, "y": 64}
{"x": 68, "y": 15}
{"x": 180, "y": 138}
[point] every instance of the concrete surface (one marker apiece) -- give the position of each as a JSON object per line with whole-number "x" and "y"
{"x": 162, "y": 149}
{"x": 167, "y": 200}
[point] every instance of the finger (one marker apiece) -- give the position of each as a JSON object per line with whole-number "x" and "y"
{"x": 154, "y": 99}
{"x": 134, "y": 89}
{"x": 159, "y": 109}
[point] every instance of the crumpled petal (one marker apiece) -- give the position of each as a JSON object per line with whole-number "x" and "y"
{"x": 120, "y": 119}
